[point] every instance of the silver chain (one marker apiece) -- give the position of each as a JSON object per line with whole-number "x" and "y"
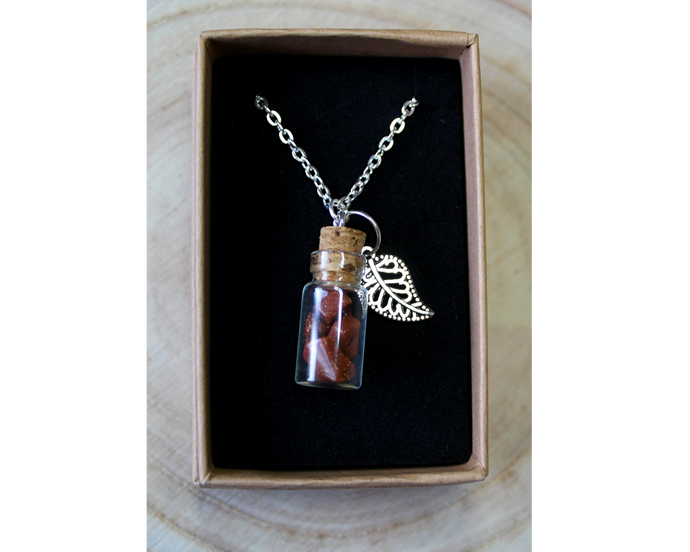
{"x": 337, "y": 207}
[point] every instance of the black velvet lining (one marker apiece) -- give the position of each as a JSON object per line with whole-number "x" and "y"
{"x": 414, "y": 407}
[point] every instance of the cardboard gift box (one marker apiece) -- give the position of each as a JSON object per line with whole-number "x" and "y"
{"x": 420, "y": 417}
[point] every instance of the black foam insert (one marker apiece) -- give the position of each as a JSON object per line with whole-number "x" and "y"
{"x": 414, "y": 407}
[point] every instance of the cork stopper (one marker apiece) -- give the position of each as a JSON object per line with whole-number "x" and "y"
{"x": 339, "y": 258}
{"x": 342, "y": 238}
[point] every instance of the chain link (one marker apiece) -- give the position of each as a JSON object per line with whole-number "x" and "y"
{"x": 337, "y": 206}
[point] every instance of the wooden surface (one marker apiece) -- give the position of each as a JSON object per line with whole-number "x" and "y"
{"x": 492, "y": 515}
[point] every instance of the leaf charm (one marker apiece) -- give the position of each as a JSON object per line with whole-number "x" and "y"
{"x": 391, "y": 291}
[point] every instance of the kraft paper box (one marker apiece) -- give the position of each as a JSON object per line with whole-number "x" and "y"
{"x": 420, "y": 417}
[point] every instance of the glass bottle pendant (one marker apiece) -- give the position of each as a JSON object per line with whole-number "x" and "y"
{"x": 333, "y": 320}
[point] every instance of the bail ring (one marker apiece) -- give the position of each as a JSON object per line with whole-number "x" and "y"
{"x": 340, "y": 217}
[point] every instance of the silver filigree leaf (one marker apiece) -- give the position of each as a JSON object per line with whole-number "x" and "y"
{"x": 391, "y": 291}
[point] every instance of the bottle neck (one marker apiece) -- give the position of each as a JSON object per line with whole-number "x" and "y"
{"x": 337, "y": 266}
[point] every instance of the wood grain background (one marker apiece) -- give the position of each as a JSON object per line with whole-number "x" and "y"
{"x": 492, "y": 515}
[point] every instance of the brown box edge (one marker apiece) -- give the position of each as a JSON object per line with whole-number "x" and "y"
{"x": 333, "y": 42}
{"x": 345, "y": 478}
{"x": 462, "y": 46}
{"x": 476, "y": 249}
{"x": 200, "y": 168}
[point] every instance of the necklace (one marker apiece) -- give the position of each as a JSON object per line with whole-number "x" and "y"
{"x": 348, "y": 276}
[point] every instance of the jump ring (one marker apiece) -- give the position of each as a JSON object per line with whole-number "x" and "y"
{"x": 337, "y": 212}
